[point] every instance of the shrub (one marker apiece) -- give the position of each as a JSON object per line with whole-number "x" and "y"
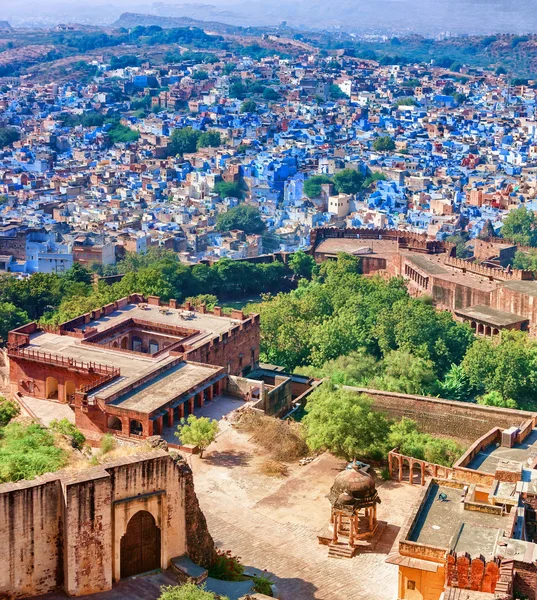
{"x": 225, "y": 566}
{"x": 385, "y": 474}
{"x": 27, "y": 451}
{"x": 189, "y": 591}
{"x": 283, "y": 439}
{"x": 273, "y": 468}
{"x": 108, "y": 443}
{"x": 262, "y": 585}
{"x": 65, "y": 427}
{"x": 8, "y": 410}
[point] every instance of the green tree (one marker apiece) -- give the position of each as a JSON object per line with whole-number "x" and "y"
{"x": 228, "y": 189}
{"x": 200, "y": 75}
{"x": 348, "y": 181}
{"x": 121, "y": 134}
{"x": 495, "y": 398}
{"x": 8, "y": 135}
{"x": 209, "y": 139}
{"x": 336, "y": 93}
{"x": 384, "y": 144}
{"x": 312, "y": 186}
{"x": 11, "y": 317}
{"x": 237, "y": 90}
{"x": 407, "y": 374}
{"x": 405, "y": 436}
{"x": 188, "y": 591}
{"x": 519, "y": 226}
{"x": 416, "y": 327}
{"x": 8, "y": 411}
{"x": 270, "y": 94}
{"x": 355, "y": 369}
{"x": 526, "y": 261}
{"x": 456, "y": 384}
{"x": 302, "y": 264}
{"x": 507, "y": 366}
{"x": 198, "y": 431}
{"x": 244, "y": 217}
{"x": 344, "y": 423}
{"x": 183, "y": 141}
{"x": 249, "y": 106}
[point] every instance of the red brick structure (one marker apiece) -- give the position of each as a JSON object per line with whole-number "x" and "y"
{"x": 489, "y": 296}
{"x": 134, "y": 366}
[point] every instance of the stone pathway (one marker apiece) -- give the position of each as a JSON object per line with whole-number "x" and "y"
{"x": 272, "y": 524}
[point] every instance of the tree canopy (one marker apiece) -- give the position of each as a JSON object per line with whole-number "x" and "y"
{"x": 198, "y": 431}
{"x": 384, "y": 144}
{"x": 348, "y": 181}
{"x": 312, "y": 186}
{"x": 244, "y": 217}
{"x": 520, "y": 226}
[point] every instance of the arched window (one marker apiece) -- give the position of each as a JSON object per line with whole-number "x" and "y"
{"x": 153, "y": 346}
{"x": 136, "y": 428}
{"x": 114, "y": 423}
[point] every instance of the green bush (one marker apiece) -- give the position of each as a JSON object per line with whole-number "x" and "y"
{"x": 262, "y": 585}
{"x": 65, "y": 427}
{"x": 27, "y": 451}
{"x": 8, "y": 410}
{"x": 189, "y": 591}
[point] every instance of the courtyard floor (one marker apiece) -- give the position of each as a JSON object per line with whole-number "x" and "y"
{"x": 272, "y": 523}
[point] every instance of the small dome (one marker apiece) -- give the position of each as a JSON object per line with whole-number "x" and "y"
{"x": 353, "y": 487}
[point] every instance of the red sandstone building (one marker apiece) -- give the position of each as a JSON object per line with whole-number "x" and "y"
{"x": 135, "y": 366}
{"x": 481, "y": 291}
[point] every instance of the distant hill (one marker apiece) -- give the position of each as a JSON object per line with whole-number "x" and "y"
{"x": 5, "y": 26}
{"x": 130, "y": 20}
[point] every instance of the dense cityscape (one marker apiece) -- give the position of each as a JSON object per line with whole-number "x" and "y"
{"x": 267, "y": 309}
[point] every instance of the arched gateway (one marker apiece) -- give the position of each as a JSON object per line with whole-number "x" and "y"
{"x": 140, "y": 546}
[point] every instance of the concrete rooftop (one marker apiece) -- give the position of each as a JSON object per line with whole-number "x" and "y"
{"x": 447, "y": 524}
{"x": 487, "y": 460}
{"x": 165, "y": 387}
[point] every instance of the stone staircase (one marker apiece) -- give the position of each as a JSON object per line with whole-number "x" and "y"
{"x": 505, "y": 583}
{"x": 187, "y": 570}
{"x": 336, "y": 550}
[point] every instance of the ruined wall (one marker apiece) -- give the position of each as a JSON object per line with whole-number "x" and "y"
{"x": 31, "y": 561}
{"x": 64, "y": 530}
{"x": 461, "y": 420}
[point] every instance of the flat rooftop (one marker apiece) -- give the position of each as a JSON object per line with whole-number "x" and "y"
{"x": 379, "y": 248}
{"x": 448, "y": 525}
{"x": 208, "y": 325}
{"x": 493, "y": 316}
{"x": 434, "y": 264}
{"x": 164, "y": 388}
{"x": 487, "y": 459}
{"x": 135, "y": 366}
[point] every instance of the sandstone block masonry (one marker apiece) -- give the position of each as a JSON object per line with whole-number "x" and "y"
{"x": 74, "y": 531}
{"x": 461, "y": 420}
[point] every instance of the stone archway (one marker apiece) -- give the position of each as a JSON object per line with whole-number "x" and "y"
{"x": 140, "y": 546}
{"x": 69, "y": 390}
{"x": 51, "y": 388}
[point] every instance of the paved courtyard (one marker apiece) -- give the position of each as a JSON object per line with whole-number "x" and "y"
{"x": 272, "y": 523}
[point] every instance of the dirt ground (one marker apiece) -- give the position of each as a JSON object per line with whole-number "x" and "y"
{"x": 272, "y": 523}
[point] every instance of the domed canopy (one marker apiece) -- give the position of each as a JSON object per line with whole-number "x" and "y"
{"x": 353, "y": 488}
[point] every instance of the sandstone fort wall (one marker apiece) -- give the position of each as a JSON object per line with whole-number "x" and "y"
{"x": 461, "y": 420}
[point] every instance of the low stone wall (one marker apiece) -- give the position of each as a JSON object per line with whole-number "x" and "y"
{"x": 461, "y": 420}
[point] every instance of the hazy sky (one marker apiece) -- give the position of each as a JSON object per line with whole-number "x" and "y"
{"x": 459, "y": 16}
